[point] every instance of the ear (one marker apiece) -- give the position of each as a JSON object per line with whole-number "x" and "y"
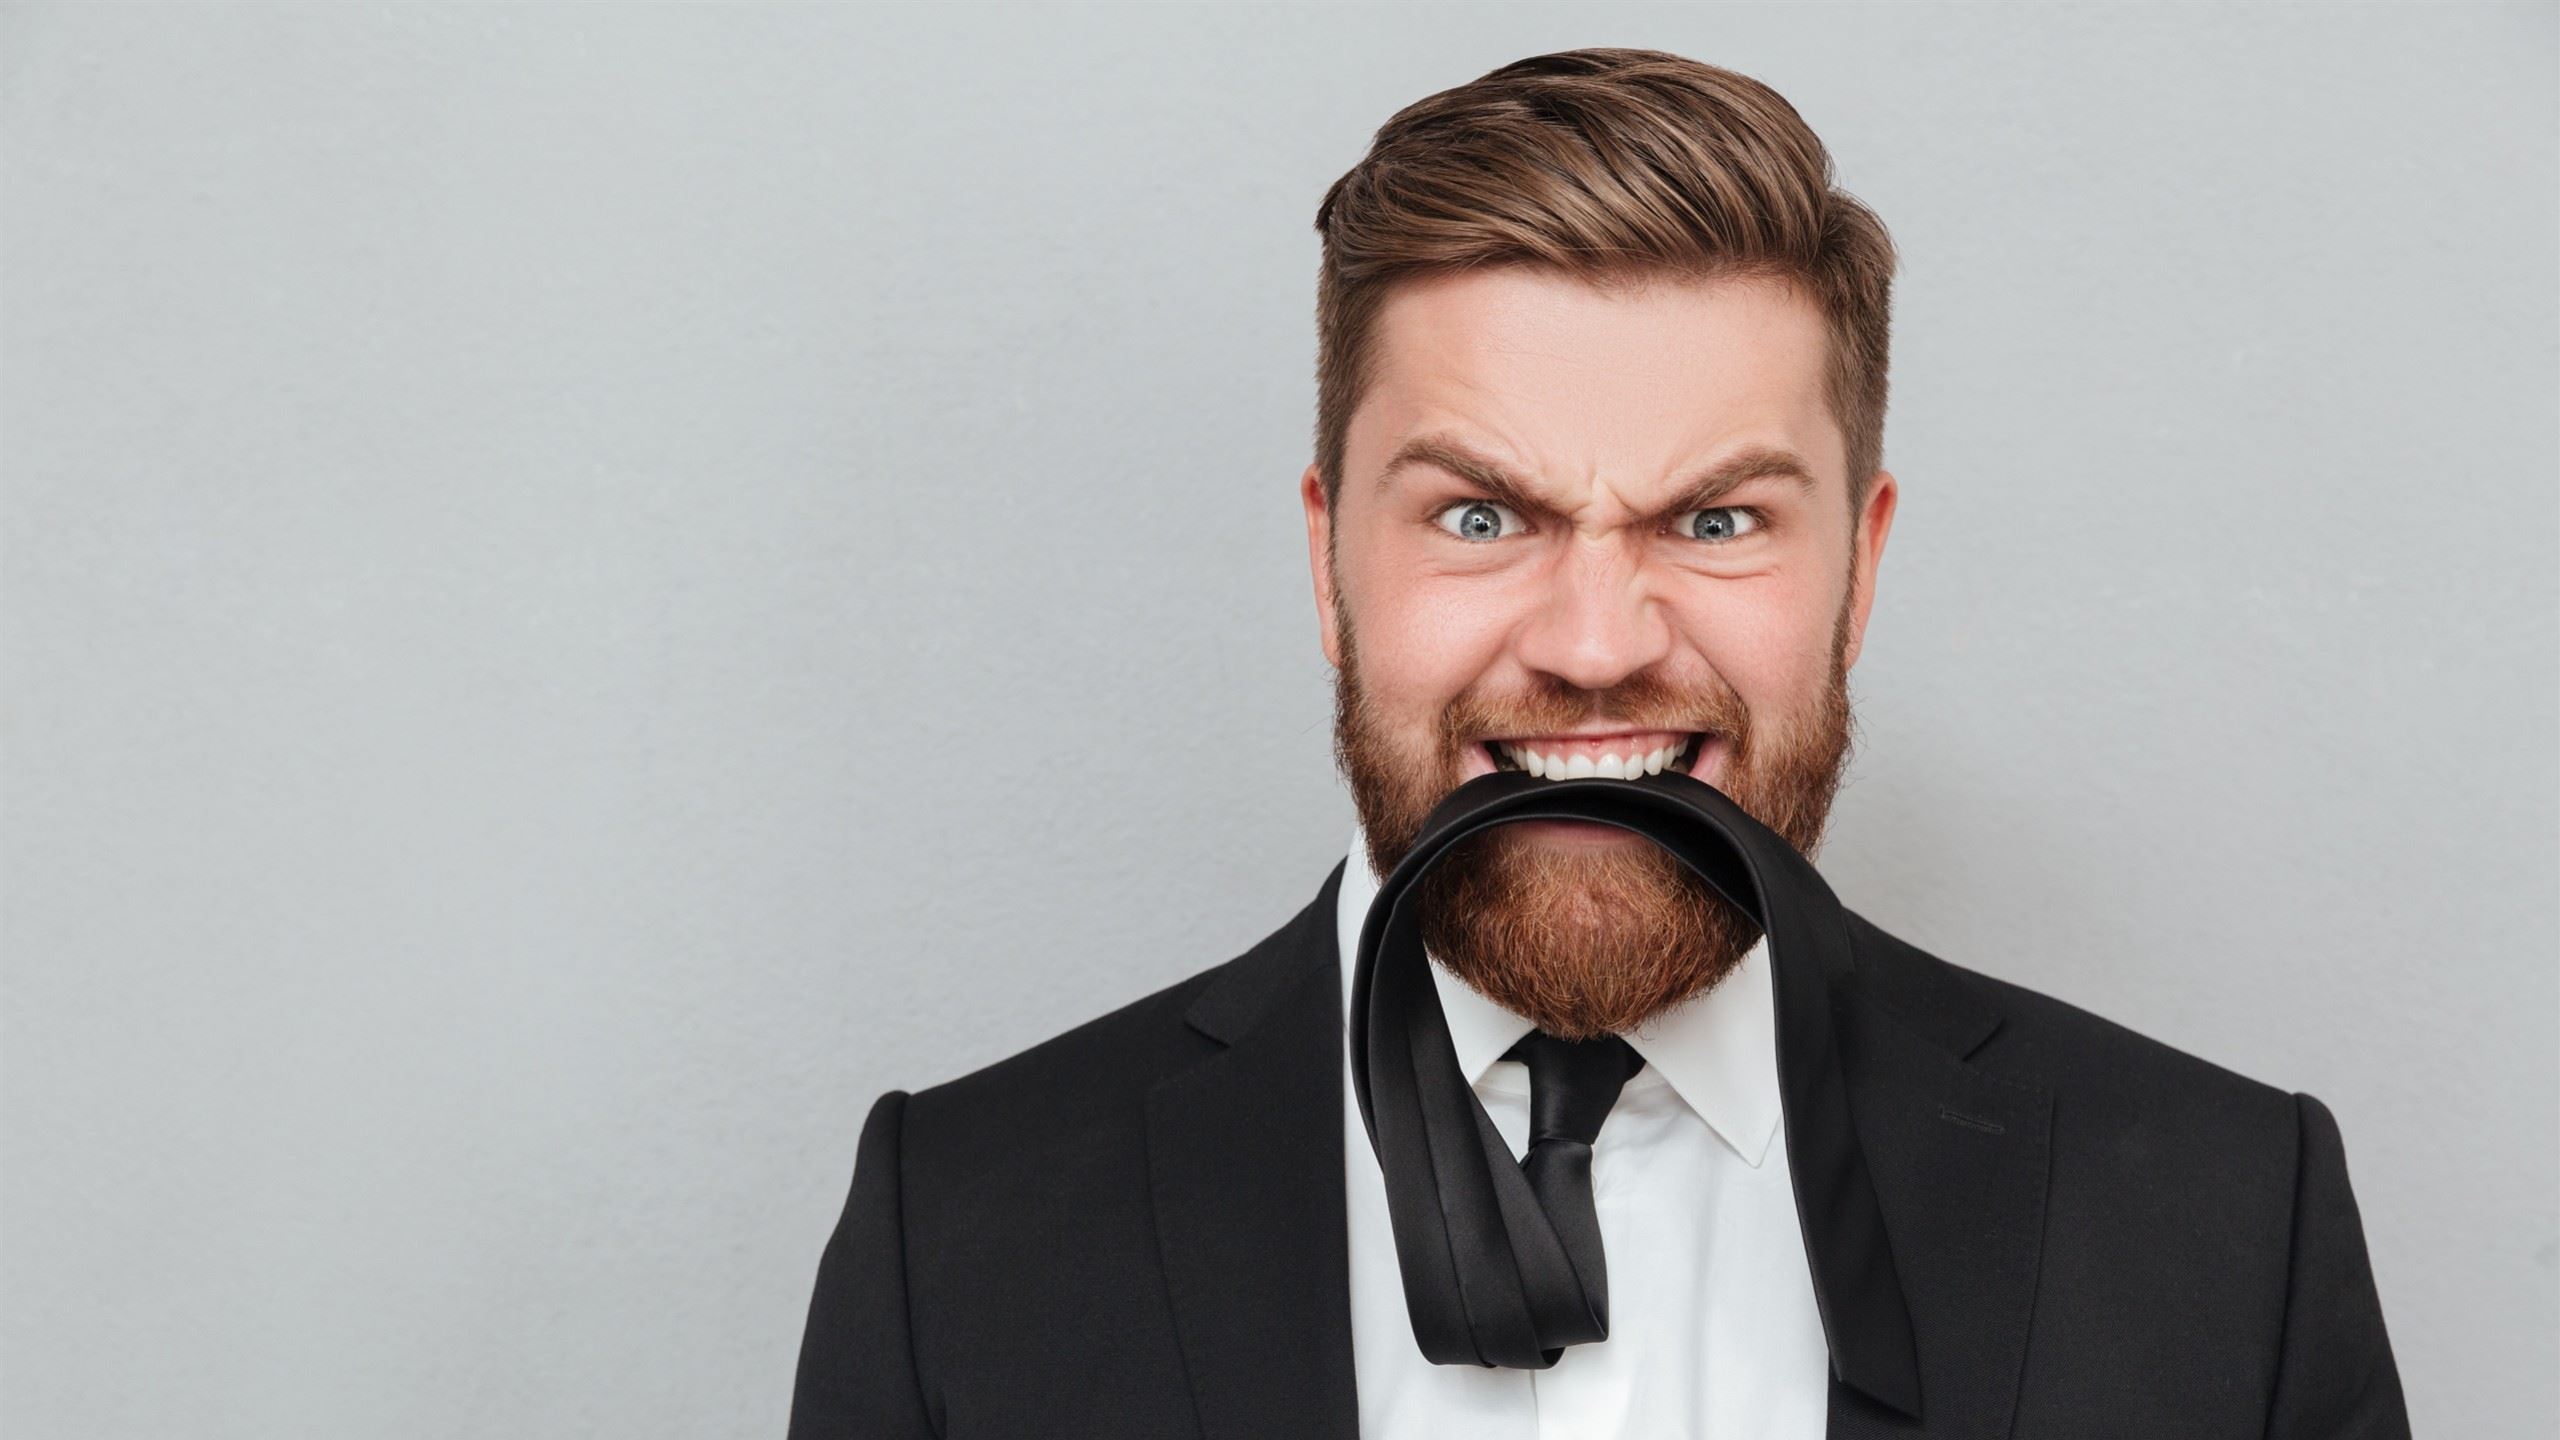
{"x": 1875, "y": 521}
{"x": 1320, "y": 560}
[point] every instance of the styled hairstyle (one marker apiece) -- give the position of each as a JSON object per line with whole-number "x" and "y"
{"x": 1614, "y": 166}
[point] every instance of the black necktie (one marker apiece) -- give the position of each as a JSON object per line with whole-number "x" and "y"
{"x": 1493, "y": 1273}
{"x": 1572, "y": 1084}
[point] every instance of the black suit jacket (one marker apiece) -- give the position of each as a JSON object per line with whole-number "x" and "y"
{"x": 1137, "y": 1229}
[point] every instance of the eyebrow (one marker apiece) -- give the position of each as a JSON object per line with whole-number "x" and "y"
{"x": 1518, "y": 491}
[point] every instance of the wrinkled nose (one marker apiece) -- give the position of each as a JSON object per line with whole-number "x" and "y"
{"x": 1598, "y": 623}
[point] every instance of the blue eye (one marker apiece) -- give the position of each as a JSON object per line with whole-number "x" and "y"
{"x": 1478, "y": 520}
{"x": 1719, "y": 523}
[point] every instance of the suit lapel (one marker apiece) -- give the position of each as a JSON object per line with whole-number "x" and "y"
{"x": 1959, "y": 1160}
{"x": 1246, "y": 1167}
{"x": 1245, "y": 1155}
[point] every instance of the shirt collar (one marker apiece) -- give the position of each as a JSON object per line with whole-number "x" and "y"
{"x": 1717, "y": 1051}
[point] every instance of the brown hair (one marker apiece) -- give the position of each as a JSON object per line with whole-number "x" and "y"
{"x": 1611, "y": 165}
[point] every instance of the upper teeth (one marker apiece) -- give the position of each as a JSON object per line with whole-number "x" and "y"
{"x": 1559, "y": 766}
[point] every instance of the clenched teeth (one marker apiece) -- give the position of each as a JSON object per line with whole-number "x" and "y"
{"x": 1559, "y": 766}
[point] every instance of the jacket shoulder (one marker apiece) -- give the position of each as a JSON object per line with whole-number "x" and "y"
{"x": 1091, "y": 1073}
{"x": 2107, "y": 1079}
{"x": 2197, "y": 1223}
{"x": 1084, "y": 1070}
{"x": 2087, "y": 1051}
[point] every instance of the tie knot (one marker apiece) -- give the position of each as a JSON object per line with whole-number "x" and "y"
{"x": 1572, "y": 1083}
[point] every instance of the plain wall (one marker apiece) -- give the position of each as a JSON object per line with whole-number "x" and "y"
{"x": 586, "y": 589}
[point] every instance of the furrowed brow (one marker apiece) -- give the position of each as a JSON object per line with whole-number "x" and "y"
{"x": 1486, "y": 474}
{"x": 1759, "y": 462}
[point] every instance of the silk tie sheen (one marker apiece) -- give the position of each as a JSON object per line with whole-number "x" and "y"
{"x": 1490, "y": 1275}
{"x": 1572, "y": 1084}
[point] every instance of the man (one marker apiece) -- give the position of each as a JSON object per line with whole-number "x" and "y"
{"x": 1597, "y": 491}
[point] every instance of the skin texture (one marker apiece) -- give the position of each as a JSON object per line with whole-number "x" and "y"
{"x": 1586, "y": 602}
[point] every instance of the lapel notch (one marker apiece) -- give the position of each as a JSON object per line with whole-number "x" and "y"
{"x": 1960, "y": 1158}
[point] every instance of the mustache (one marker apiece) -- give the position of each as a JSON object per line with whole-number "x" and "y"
{"x": 1644, "y": 701}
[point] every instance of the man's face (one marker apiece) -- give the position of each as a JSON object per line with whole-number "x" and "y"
{"x": 1583, "y": 528}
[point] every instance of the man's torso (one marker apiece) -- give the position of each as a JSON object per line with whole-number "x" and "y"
{"x": 1138, "y": 1228}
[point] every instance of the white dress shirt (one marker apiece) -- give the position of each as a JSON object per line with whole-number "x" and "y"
{"x": 1712, "y": 1326}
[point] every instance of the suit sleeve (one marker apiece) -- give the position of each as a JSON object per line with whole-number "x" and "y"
{"x": 2336, "y": 1379}
{"x": 857, "y": 1376}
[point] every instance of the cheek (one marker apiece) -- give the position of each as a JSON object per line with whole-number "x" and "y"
{"x": 1426, "y": 659}
{"x": 1768, "y": 637}
{"x": 1421, "y": 646}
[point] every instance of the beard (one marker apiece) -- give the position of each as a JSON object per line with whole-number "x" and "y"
{"x": 1586, "y": 941}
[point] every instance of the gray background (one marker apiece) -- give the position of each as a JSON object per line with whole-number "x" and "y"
{"x": 587, "y": 590}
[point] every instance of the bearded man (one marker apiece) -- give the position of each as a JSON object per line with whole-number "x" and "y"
{"x": 1598, "y": 493}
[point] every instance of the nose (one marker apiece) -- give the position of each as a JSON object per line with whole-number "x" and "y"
{"x": 1598, "y": 622}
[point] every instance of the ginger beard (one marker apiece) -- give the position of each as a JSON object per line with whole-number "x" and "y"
{"x": 1586, "y": 941}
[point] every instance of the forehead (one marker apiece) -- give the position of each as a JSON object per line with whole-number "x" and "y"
{"x": 1577, "y": 382}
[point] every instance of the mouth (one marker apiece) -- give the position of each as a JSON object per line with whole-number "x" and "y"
{"x": 1629, "y": 755}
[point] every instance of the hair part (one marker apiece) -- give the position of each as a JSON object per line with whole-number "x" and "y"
{"x": 1614, "y": 166}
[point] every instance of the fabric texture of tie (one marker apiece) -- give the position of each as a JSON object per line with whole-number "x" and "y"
{"x": 1501, "y": 1260}
{"x": 1572, "y": 1084}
